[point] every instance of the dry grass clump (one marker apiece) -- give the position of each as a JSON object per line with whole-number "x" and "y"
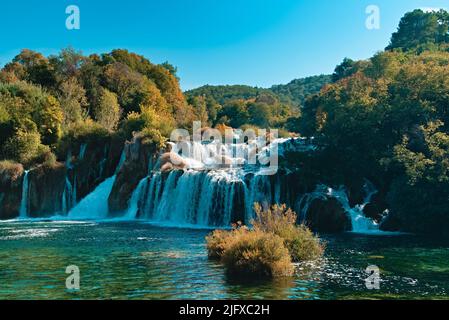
{"x": 268, "y": 249}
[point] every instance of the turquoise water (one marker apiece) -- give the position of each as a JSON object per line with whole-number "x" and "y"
{"x": 132, "y": 260}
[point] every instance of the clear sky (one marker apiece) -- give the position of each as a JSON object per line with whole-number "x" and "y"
{"x": 253, "y": 42}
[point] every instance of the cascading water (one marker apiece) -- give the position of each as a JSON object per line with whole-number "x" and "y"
{"x": 23, "y": 213}
{"x": 135, "y": 198}
{"x": 68, "y": 196}
{"x": 218, "y": 186}
{"x": 95, "y": 205}
{"x": 82, "y": 153}
{"x": 360, "y": 223}
{"x": 186, "y": 198}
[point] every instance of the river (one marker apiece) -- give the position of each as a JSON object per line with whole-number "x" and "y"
{"x": 138, "y": 260}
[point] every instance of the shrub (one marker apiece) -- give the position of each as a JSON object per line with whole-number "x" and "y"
{"x": 269, "y": 248}
{"x": 218, "y": 240}
{"x": 44, "y": 156}
{"x": 257, "y": 254}
{"x": 132, "y": 123}
{"x": 302, "y": 244}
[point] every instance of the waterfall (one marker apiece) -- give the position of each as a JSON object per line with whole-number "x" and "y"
{"x": 24, "y": 203}
{"x": 186, "y": 198}
{"x": 95, "y": 204}
{"x": 216, "y": 188}
{"x": 135, "y": 198}
{"x": 68, "y": 196}
{"x": 360, "y": 223}
{"x": 82, "y": 153}
{"x": 259, "y": 191}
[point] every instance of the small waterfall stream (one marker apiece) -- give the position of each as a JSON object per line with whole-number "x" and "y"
{"x": 360, "y": 223}
{"x": 95, "y": 204}
{"x": 24, "y": 203}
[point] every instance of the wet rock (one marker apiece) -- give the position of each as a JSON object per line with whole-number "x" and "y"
{"x": 391, "y": 223}
{"x": 46, "y": 188}
{"x": 11, "y": 177}
{"x": 327, "y": 216}
{"x": 171, "y": 161}
{"x": 140, "y": 159}
{"x": 376, "y": 208}
{"x": 97, "y": 163}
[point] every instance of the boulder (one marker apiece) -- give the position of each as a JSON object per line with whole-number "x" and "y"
{"x": 171, "y": 161}
{"x": 327, "y": 216}
{"x": 376, "y": 208}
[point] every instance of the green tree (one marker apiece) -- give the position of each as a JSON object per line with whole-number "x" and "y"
{"x": 259, "y": 114}
{"x": 73, "y": 101}
{"x": 33, "y": 67}
{"x": 108, "y": 111}
{"x": 418, "y": 29}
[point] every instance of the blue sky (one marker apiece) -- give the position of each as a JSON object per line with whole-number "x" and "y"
{"x": 253, "y": 42}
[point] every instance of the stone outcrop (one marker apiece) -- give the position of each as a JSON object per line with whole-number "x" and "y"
{"x": 11, "y": 178}
{"x": 140, "y": 159}
{"x": 92, "y": 166}
{"x": 327, "y": 216}
{"x": 46, "y": 188}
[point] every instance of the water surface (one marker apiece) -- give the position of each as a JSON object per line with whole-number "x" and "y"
{"x": 136, "y": 260}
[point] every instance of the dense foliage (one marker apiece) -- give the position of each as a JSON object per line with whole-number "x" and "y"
{"x": 419, "y": 30}
{"x": 387, "y": 119}
{"x": 297, "y": 91}
{"x": 240, "y": 105}
{"x": 44, "y": 101}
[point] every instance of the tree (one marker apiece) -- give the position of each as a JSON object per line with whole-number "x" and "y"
{"x": 418, "y": 29}
{"x": 33, "y": 67}
{"x": 23, "y": 147}
{"x": 171, "y": 68}
{"x": 49, "y": 118}
{"x": 68, "y": 63}
{"x": 199, "y": 105}
{"x": 73, "y": 101}
{"x": 108, "y": 111}
{"x": 344, "y": 69}
{"x": 237, "y": 113}
{"x": 259, "y": 114}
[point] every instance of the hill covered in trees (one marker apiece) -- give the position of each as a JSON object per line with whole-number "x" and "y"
{"x": 297, "y": 91}
{"x": 240, "y": 105}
